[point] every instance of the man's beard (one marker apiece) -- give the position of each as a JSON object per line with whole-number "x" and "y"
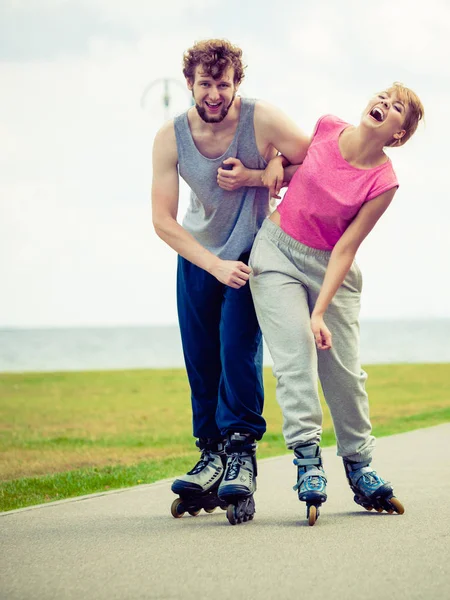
{"x": 217, "y": 118}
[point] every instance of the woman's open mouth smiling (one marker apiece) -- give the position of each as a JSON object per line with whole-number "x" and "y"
{"x": 377, "y": 114}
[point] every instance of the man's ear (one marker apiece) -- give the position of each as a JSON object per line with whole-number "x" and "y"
{"x": 189, "y": 83}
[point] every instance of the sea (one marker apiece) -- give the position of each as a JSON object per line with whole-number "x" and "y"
{"x": 151, "y": 347}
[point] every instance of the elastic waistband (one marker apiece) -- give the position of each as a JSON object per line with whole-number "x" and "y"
{"x": 273, "y": 231}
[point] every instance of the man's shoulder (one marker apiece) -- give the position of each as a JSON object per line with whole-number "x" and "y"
{"x": 166, "y": 133}
{"x": 165, "y": 141}
{"x": 262, "y": 106}
{"x": 265, "y": 112}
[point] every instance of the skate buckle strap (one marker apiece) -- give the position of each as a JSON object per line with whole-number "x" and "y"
{"x": 356, "y": 466}
{"x": 368, "y": 474}
{"x": 246, "y": 448}
{"x": 312, "y": 474}
{"x": 216, "y": 446}
{"x": 304, "y": 462}
{"x": 364, "y": 472}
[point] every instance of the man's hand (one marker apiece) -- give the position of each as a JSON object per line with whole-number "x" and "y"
{"x": 233, "y": 273}
{"x": 322, "y": 334}
{"x": 235, "y": 178}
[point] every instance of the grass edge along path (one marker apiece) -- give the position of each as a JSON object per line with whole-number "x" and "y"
{"x": 31, "y": 491}
{"x": 49, "y": 415}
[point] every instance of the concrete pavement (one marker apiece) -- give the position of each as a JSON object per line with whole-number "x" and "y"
{"x": 125, "y": 545}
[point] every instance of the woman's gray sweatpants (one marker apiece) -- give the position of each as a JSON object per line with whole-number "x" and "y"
{"x": 285, "y": 282}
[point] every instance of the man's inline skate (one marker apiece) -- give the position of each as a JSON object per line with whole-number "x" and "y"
{"x": 239, "y": 482}
{"x": 371, "y": 492}
{"x": 311, "y": 481}
{"x": 198, "y": 488}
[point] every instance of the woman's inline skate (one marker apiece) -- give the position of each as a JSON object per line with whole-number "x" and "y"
{"x": 371, "y": 492}
{"x": 311, "y": 481}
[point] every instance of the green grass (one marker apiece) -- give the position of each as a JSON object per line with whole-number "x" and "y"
{"x": 69, "y": 434}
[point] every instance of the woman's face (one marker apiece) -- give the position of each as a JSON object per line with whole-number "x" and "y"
{"x": 386, "y": 112}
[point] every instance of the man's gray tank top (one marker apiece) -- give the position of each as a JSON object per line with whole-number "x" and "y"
{"x": 223, "y": 222}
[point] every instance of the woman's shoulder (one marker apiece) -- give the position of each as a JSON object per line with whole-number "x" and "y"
{"x": 329, "y": 123}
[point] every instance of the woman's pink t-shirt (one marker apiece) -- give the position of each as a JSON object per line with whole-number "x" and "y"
{"x": 326, "y": 192}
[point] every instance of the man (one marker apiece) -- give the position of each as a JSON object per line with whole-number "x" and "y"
{"x": 219, "y": 147}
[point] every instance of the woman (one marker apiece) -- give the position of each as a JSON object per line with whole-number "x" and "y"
{"x": 306, "y": 288}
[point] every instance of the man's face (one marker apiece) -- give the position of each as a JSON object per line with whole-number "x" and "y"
{"x": 213, "y": 97}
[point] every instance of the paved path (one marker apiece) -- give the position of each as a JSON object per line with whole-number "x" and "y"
{"x": 125, "y": 545}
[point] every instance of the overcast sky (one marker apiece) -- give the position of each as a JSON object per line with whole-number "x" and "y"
{"x": 76, "y": 240}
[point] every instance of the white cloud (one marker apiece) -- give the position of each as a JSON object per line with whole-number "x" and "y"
{"x": 76, "y": 241}
{"x": 141, "y": 14}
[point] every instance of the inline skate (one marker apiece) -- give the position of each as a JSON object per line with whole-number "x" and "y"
{"x": 311, "y": 480}
{"x": 197, "y": 489}
{"x": 239, "y": 482}
{"x": 371, "y": 492}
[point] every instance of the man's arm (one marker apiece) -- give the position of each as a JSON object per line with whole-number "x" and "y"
{"x": 274, "y": 129}
{"x": 165, "y": 191}
{"x": 238, "y": 175}
{"x": 274, "y": 132}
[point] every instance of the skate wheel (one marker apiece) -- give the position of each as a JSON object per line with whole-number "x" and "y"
{"x": 194, "y": 513}
{"x": 312, "y": 514}
{"x": 398, "y": 506}
{"x": 231, "y": 514}
{"x": 379, "y": 509}
{"x": 176, "y": 509}
{"x": 368, "y": 507}
{"x": 210, "y": 510}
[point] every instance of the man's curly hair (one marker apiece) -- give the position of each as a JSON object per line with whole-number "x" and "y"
{"x": 215, "y": 57}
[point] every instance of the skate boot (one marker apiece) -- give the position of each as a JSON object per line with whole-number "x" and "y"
{"x": 198, "y": 488}
{"x": 371, "y": 492}
{"x": 311, "y": 481}
{"x": 239, "y": 482}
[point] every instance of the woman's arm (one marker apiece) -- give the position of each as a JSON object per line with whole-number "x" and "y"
{"x": 278, "y": 174}
{"x": 341, "y": 260}
{"x": 274, "y": 132}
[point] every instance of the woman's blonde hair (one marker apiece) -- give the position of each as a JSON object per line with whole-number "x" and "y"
{"x": 414, "y": 111}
